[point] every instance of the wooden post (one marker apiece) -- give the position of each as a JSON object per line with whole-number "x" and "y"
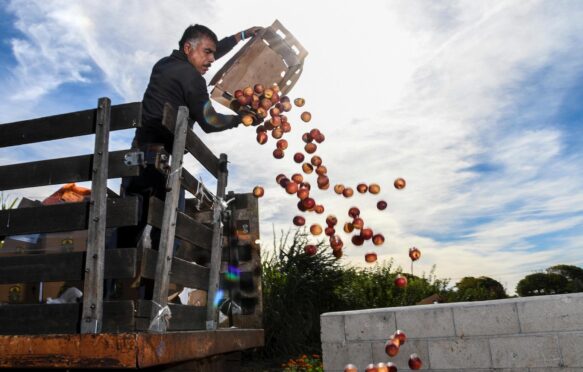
{"x": 166, "y": 248}
{"x": 92, "y": 315}
{"x": 217, "y": 245}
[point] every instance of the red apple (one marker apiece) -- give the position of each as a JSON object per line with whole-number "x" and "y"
{"x": 299, "y": 102}
{"x": 329, "y": 231}
{"x": 297, "y": 178}
{"x": 370, "y": 257}
{"x": 392, "y": 367}
{"x": 371, "y": 368}
{"x": 382, "y": 205}
{"x": 319, "y": 208}
{"x": 316, "y": 229}
{"x": 258, "y": 191}
{"x": 307, "y": 168}
{"x": 361, "y": 188}
{"x": 415, "y": 362}
{"x": 306, "y": 116}
{"x": 339, "y": 188}
{"x": 331, "y": 220}
{"x": 374, "y": 188}
{"x": 348, "y": 228}
{"x": 310, "y": 148}
{"x": 291, "y": 188}
{"x": 401, "y": 281}
{"x": 366, "y": 233}
{"x": 310, "y": 249}
{"x": 401, "y": 336}
{"x": 309, "y": 203}
{"x": 281, "y": 144}
{"x": 348, "y": 192}
{"x": 414, "y": 254}
{"x": 357, "y": 240}
{"x": 354, "y": 212}
{"x": 298, "y": 157}
{"x": 261, "y": 138}
{"x": 321, "y": 170}
{"x": 336, "y": 243}
{"x": 316, "y": 160}
{"x": 378, "y": 239}
{"x": 400, "y": 183}
{"x": 382, "y": 367}
{"x": 299, "y": 221}
{"x": 358, "y": 223}
{"x": 392, "y": 348}
{"x": 278, "y": 154}
{"x": 307, "y": 138}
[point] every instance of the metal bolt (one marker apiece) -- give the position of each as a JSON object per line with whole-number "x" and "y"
{"x": 99, "y": 153}
{"x": 88, "y": 320}
{"x": 168, "y": 258}
{"x": 87, "y": 270}
{"x": 95, "y": 219}
{"x": 95, "y": 256}
{"x": 94, "y": 170}
{"x": 93, "y": 306}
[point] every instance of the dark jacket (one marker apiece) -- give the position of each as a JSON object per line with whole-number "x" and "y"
{"x": 176, "y": 81}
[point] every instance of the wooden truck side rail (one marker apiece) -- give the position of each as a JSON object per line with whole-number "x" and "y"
{"x": 209, "y": 243}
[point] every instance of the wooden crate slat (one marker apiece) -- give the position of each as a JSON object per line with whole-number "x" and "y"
{"x": 185, "y": 273}
{"x": 194, "y": 145}
{"x": 65, "y": 217}
{"x": 124, "y": 116}
{"x": 192, "y": 185}
{"x": 118, "y": 316}
{"x": 186, "y": 227}
{"x": 63, "y": 170}
{"x": 119, "y": 264}
{"x": 184, "y": 317}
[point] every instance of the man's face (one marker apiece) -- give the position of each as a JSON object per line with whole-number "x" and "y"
{"x": 202, "y": 55}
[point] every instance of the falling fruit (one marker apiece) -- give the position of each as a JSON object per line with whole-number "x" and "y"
{"x": 281, "y": 144}
{"x": 339, "y": 188}
{"x": 316, "y": 229}
{"x": 348, "y": 192}
{"x": 336, "y": 243}
{"x": 299, "y": 102}
{"x": 291, "y": 188}
{"x": 297, "y": 178}
{"x": 415, "y": 362}
{"x": 348, "y": 228}
{"x": 361, "y": 188}
{"x": 392, "y": 347}
{"x": 358, "y": 223}
{"x": 307, "y": 138}
{"x": 370, "y": 257}
{"x": 278, "y": 153}
{"x": 366, "y": 233}
{"x": 299, "y": 221}
{"x": 298, "y": 157}
{"x": 310, "y": 148}
{"x": 400, "y": 335}
{"x": 309, "y": 203}
{"x": 382, "y": 205}
{"x": 378, "y": 239}
{"x": 319, "y": 209}
{"x": 306, "y": 116}
{"x": 262, "y": 138}
{"x": 307, "y": 168}
{"x": 414, "y": 254}
{"x": 400, "y": 183}
{"x": 247, "y": 120}
{"x": 258, "y": 191}
{"x": 401, "y": 281}
{"x": 374, "y": 188}
{"x": 329, "y": 231}
{"x": 303, "y": 193}
{"x": 357, "y": 240}
{"x": 349, "y": 367}
{"x": 310, "y": 249}
{"x": 354, "y": 212}
{"x": 321, "y": 170}
{"x": 316, "y": 160}
{"x": 337, "y": 253}
{"x": 331, "y": 220}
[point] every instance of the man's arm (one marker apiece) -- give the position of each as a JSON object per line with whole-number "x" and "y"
{"x": 226, "y": 44}
{"x": 202, "y": 111}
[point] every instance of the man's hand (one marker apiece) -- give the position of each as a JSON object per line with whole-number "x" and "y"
{"x": 246, "y": 34}
{"x": 248, "y": 117}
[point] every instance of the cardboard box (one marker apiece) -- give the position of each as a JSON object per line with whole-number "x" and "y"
{"x": 272, "y": 56}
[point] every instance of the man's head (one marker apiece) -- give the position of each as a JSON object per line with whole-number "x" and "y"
{"x": 199, "y": 44}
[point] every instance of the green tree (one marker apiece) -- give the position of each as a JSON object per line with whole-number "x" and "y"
{"x": 574, "y": 275}
{"x": 478, "y": 289}
{"x": 542, "y": 284}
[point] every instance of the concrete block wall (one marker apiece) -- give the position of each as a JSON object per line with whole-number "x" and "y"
{"x": 533, "y": 334}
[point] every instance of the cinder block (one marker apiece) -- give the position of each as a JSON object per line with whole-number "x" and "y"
{"x": 525, "y": 351}
{"x": 551, "y": 313}
{"x": 368, "y": 325}
{"x": 418, "y": 346}
{"x": 571, "y": 345}
{"x": 459, "y": 353}
{"x": 490, "y": 319}
{"x": 421, "y": 323}
{"x": 332, "y": 328}
{"x": 336, "y": 356}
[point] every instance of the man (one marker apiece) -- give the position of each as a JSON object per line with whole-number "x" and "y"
{"x": 178, "y": 80}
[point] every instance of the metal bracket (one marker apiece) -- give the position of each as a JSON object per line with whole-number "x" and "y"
{"x": 134, "y": 158}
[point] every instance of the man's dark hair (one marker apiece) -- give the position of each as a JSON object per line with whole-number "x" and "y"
{"x": 195, "y": 32}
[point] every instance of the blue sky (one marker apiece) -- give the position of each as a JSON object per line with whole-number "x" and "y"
{"x": 476, "y": 103}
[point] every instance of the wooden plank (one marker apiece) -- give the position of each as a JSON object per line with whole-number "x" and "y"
{"x": 185, "y": 273}
{"x": 168, "y": 228}
{"x": 200, "y": 192}
{"x": 63, "y": 170}
{"x": 184, "y": 317}
{"x": 186, "y": 227}
{"x": 119, "y": 264}
{"x": 92, "y": 317}
{"x": 194, "y": 145}
{"x": 65, "y": 217}
{"x": 125, "y": 116}
{"x": 182, "y": 346}
{"x": 124, "y": 350}
{"x": 62, "y": 318}
{"x": 217, "y": 246}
